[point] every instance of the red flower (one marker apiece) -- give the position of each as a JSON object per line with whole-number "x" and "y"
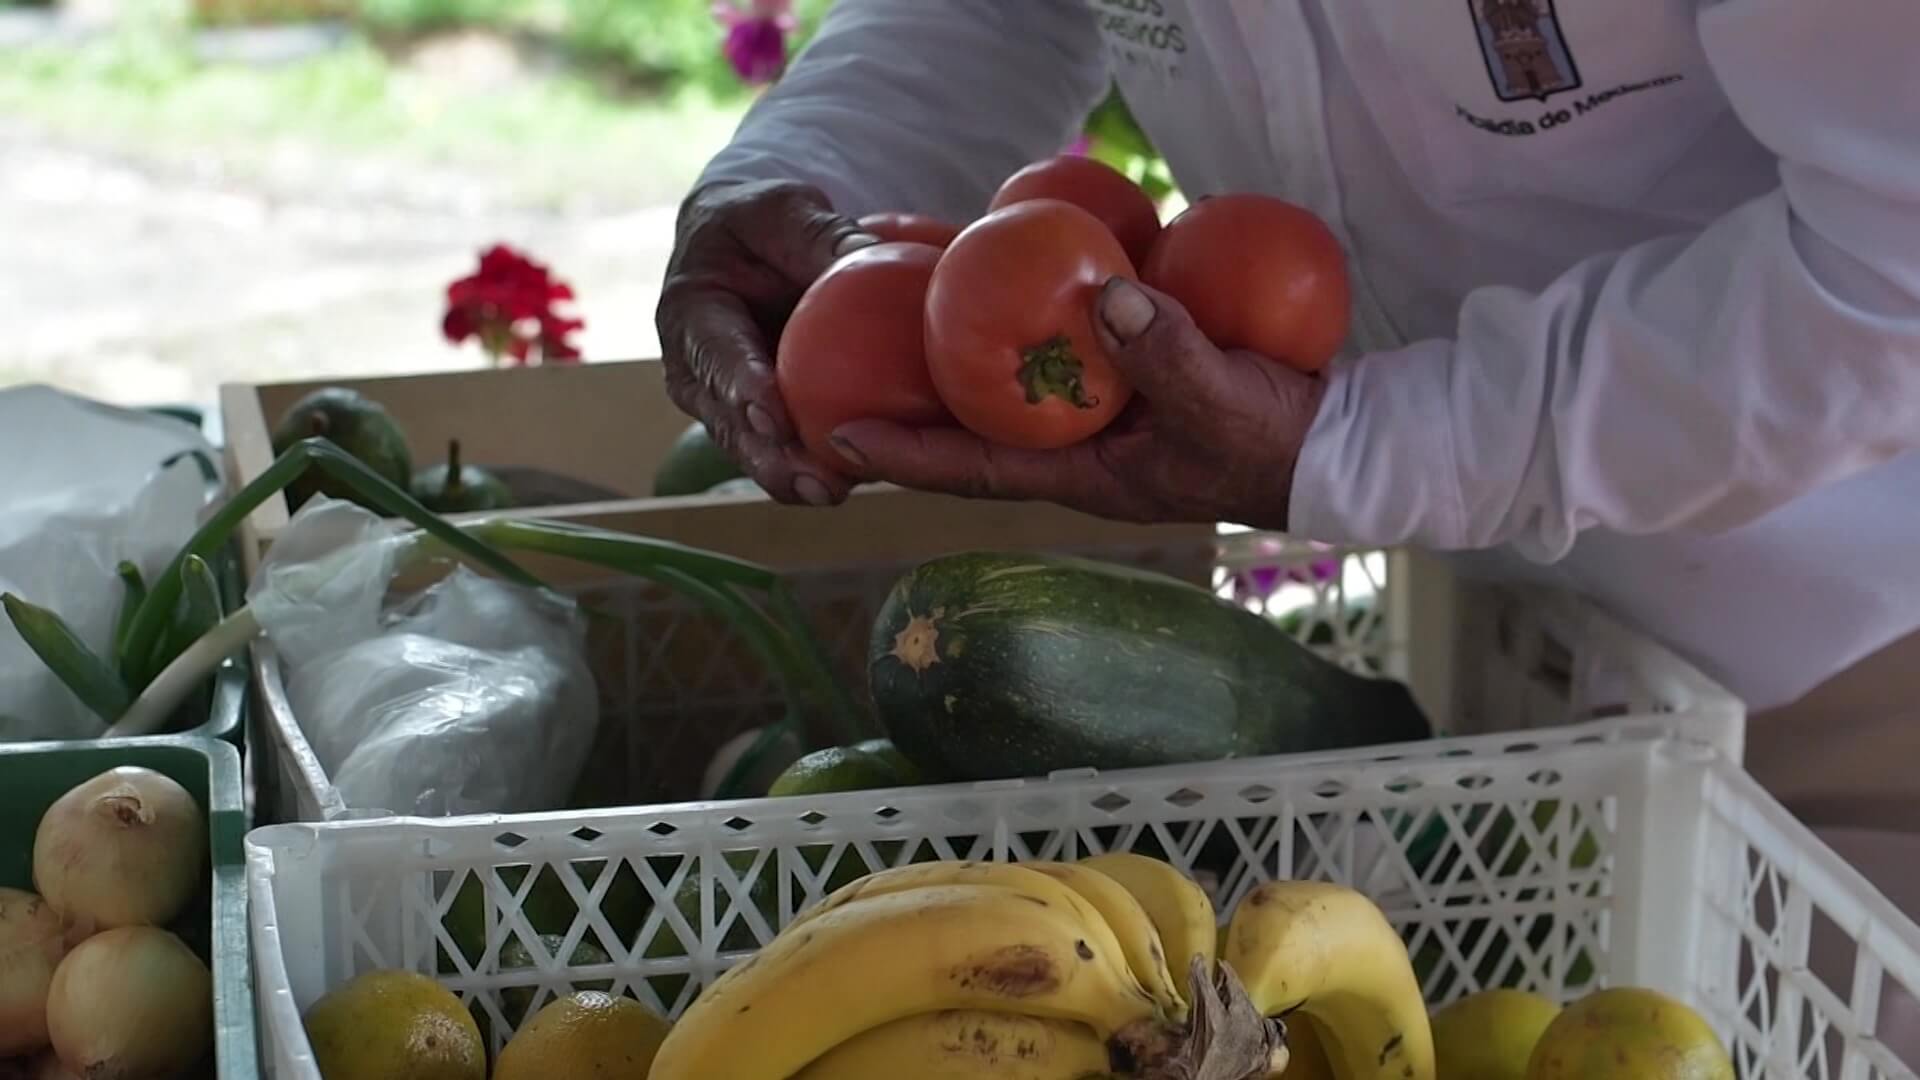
{"x": 508, "y": 303}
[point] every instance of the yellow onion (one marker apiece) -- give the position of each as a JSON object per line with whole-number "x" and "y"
{"x": 132, "y": 1003}
{"x": 32, "y": 940}
{"x": 126, "y": 848}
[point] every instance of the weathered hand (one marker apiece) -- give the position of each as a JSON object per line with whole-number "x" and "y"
{"x": 743, "y": 255}
{"x": 1209, "y": 435}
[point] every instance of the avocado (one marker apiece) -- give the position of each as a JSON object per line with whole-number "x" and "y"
{"x": 694, "y": 464}
{"x": 456, "y": 488}
{"x": 356, "y": 424}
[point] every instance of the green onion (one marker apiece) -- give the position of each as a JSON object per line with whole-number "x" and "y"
{"x": 366, "y": 485}
{"x": 90, "y": 678}
{"x": 136, "y": 588}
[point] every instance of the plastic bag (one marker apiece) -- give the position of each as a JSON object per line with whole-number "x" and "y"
{"x": 472, "y": 697}
{"x": 84, "y": 490}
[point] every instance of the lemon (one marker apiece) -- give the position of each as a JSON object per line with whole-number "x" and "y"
{"x": 395, "y": 1025}
{"x": 1490, "y": 1035}
{"x": 588, "y": 1035}
{"x": 1629, "y": 1034}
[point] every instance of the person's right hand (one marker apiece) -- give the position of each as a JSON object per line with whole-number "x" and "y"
{"x": 743, "y": 254}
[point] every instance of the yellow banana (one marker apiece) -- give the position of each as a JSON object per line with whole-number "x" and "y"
{"x": 1306, "y": 1051}
{"x": 1139, "y": 939}
{"x": 1180, "y": 909}
{"x": 1031, "y": 880}
{"x": 1327, "y": 951}
{"x": 965, "y": 1044}
{"x": 881, "y": 958}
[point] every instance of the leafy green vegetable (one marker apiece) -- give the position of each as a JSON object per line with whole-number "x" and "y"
{"x": 90, "y": 678}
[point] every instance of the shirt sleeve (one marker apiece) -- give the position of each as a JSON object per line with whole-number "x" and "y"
{"x": 923, "y": 105}
{"x": 1692, "y": 383}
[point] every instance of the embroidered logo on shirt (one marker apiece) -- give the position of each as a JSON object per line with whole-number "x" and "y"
{"x": 1525, "y": 53}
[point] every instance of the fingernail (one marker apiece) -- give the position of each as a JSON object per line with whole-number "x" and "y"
{"x": 854, "y": 241}
{"x": 849, "y": 451}
{"x": 1125, "y": 309}
{"x": 761, "y": 419}
{"x": 811, "y": 490}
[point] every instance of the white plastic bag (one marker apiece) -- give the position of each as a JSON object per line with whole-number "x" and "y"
{"x": 83, "y": 490}
{"x": 473, "y": 697}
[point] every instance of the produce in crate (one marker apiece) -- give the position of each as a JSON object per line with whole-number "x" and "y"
{"x": 515, "y": 956}
{"x": 1010, "y": 338}
{"x": 1629, "y": 1032}
{"x": 1327, "y": 951}
{"x": 394, "y": 1023}
{"x": 1491, "y": 1034}
{"x": 130, "y": 1002}
{"x": 693, "y": 464}
{"x": 844, "y": 768}
{"x": 358, "y": 425}
{"x": 588, "y": 1036}
{"x": 32, "y": 941}
{"x": 126, "y": 848}
{"x": 853, "y": 348}
{"x": 455, "y": 487}
{"x": 1181, "y": 912}
{"x": 950, "y": 969}
{"x": 86, "y": 967}
{"x": 966, "y": 1044}
{"x": 1094, "y": 186}
{"x": 1256, "y": 273}
{"x": 995, "y": 665}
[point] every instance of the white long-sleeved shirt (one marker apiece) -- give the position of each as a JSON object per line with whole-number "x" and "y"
{"x": 1637, "y": 282}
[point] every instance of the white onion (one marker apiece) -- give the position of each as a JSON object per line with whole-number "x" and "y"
{"x": 131, "y": 1004}
{"x": 32, "y": 940}
{"x": 126, "y": 848}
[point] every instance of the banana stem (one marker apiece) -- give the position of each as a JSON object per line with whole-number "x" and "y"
{"x": 177, "y": 682}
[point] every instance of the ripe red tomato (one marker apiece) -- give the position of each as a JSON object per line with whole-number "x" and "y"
{"x": 911, "y": 228}
{"x": 1010, "y": 338}
{"x": 853, "y": 348}
{"x": 1093, "y": 186}
{"x": 1256, "y": 273}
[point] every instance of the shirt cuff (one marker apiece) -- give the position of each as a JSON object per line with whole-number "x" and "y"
{"x": 1378, "y": 465}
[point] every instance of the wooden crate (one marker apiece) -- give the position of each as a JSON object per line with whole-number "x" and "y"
{"x": 611, "y": 423}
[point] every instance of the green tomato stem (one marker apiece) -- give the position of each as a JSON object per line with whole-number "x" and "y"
{"x": 1050, "y": 369}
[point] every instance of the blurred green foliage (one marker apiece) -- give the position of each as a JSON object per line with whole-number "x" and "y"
{"x": 1118, "y": 141}
{"x": 661, "y": 44}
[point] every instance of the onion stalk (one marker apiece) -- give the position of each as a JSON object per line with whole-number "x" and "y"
{"x": 166, "y": 648}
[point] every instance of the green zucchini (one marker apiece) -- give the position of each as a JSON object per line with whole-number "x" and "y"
{"x": 990, "y": 666}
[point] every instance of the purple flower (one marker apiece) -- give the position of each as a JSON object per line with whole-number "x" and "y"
{"x": 756, "y": 41}
{"x": 1260, "y": 582}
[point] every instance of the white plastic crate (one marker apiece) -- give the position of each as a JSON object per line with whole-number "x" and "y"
{"x": 1623, "y": 851}
{"x": 669, "y": 669}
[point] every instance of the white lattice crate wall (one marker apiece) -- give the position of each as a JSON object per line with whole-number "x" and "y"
{"x": 1623, "y": 851}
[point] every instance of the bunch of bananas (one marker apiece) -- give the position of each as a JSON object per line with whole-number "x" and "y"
{"x": 1058, "y": 971}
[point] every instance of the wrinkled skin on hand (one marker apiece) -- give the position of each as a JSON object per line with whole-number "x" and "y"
{"x": 1209, "y": 436}
{"x": 743, "y": 255}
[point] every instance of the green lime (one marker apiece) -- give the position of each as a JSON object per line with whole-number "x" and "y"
{"x": 836, "y": 769}
{"x": 903, "y": 766}
{"x": 515, "y": 955}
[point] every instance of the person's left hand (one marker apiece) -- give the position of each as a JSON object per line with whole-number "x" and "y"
{"x": 1210, "y": 435}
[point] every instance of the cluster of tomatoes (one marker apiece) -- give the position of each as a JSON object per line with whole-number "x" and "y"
{"x": 992, "y": 326}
